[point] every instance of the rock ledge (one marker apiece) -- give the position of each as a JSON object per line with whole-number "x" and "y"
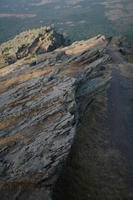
{"x": 41, "y": 102}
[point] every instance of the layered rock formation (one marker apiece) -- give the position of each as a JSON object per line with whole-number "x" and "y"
{"x": 41, "y": 102}
{"x": 30, "y": 42}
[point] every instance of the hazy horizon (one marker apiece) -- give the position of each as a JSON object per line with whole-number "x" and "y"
{"x": 79, "y": 19}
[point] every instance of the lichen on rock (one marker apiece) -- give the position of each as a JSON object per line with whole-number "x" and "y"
{"x": 34, "y": 41}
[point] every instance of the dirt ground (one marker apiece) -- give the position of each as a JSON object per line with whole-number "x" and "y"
{"x": 100, "y": 165}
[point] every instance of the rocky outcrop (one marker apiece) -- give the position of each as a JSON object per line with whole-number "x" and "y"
{"x": 30, "y": 42}
{"x": 41, "y": 102}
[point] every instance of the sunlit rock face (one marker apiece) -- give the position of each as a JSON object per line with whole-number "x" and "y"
{"x": 30, "y": 42}
{"x": 42, "y": 98}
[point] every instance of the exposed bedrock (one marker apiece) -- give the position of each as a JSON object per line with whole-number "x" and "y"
{"x": 41, "y": 102}
{"x": 31, "y": 42}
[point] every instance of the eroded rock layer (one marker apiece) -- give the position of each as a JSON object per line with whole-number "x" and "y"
{"x": 41, "y": 102}
{"x": 30, "y": 42}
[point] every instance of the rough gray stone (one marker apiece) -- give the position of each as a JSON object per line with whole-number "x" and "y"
{"x": 40, "y": 107}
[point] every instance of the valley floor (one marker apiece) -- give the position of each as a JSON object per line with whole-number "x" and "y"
{"x": 100, "y": 165}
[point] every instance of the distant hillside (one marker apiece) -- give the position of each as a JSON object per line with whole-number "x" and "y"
{"x": 79, "y": 19}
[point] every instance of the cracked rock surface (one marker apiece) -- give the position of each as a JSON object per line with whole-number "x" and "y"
{"x": 41, "y": 102}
